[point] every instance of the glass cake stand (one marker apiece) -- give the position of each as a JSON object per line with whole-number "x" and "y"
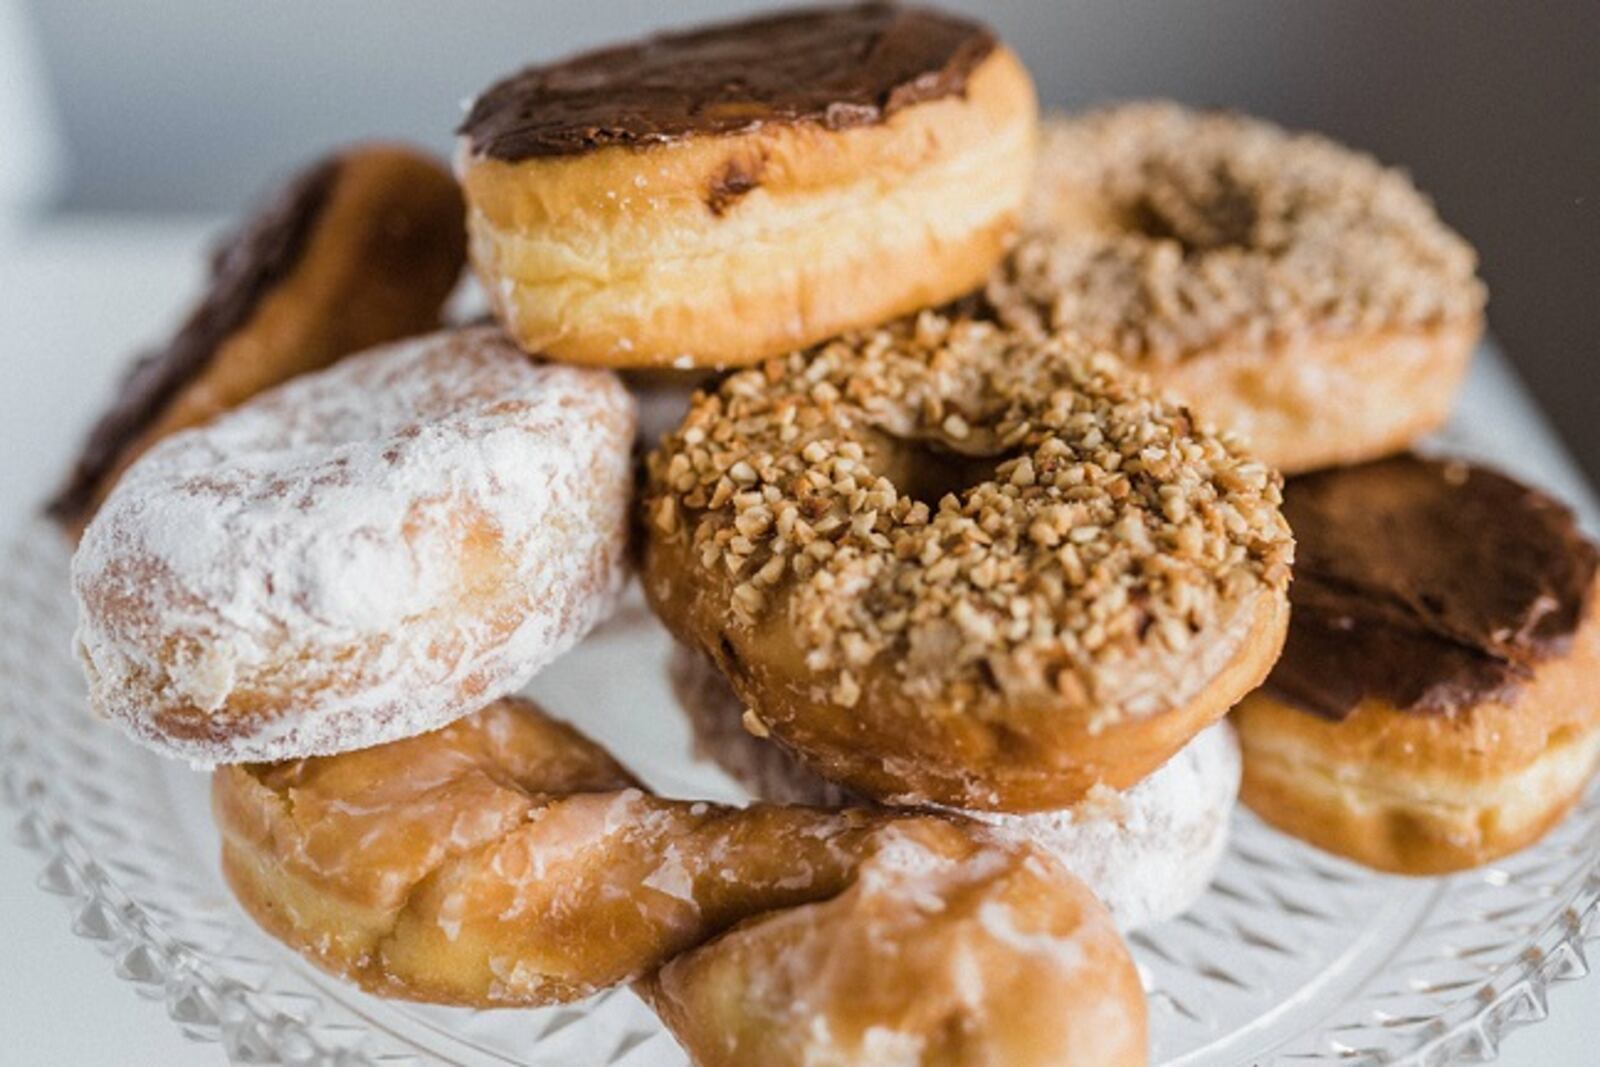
{"x": 1293, "y": 957}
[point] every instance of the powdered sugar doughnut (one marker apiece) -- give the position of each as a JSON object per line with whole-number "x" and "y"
{"x": 360, "y": 555}
{"x": 1147, "y": 852}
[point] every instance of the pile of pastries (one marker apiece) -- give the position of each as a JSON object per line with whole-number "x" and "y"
{"x": 950, "y": 445}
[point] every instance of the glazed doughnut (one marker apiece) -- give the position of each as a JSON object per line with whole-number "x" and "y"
{"x": 1297, "y": 292}
{"x": 1435, "y": 707}
{"x": 946, "y": 564}
{"x": 1147, "y": 852}
{"x": 715, "y": 197}
{"x": 360, "y": 248}
{"x": 507, "y": 861}
{"x": 359, "y": 555}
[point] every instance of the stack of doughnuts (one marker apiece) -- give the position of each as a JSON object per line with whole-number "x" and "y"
{"x": 1427, "y": 713}
{"x": 942, "y": 564}
{"x": 961, "y": 502}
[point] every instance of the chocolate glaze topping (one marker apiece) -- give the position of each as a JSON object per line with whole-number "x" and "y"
{"x": 244, "y": 267}
{"x": 838, "y": 67}
{"x": 1428, "y": 584}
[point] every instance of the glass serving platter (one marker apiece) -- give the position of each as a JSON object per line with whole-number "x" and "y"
{"x": 1293, "y": 957}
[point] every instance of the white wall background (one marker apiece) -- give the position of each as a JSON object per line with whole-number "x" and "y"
{"x": 30, "y": 161}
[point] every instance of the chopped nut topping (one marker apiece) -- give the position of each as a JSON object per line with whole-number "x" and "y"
{"x": 1159, "y": 232}
{"x": 1107, "y": 523}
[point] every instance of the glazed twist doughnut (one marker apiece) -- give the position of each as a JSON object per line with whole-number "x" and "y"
{"x": 1296, "y": 292}
{"x": 944, "y": 563}
{"x": 505, "y": 860}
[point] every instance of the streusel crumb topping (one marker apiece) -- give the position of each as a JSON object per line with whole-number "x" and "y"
{"x": 960, "y": 504}
{"x": 1156, "y": 232}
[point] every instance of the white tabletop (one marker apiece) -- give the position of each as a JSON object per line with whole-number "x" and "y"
{"x": 76, "y": 298}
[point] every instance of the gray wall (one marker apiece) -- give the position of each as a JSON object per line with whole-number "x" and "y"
{"x": 1493, "y": 106}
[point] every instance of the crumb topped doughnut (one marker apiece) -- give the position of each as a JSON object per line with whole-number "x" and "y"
{"x": 1147, "y": 852}
{"x": 361, "y": 554}
{"x": 506, "y": 860}
{"x": 945, "y": 564}
{"x": 718, "y": 196}
{"x": 1435, "y": 704}
{"x": 1296, "y": 291}
{"x": 359, "y": 248}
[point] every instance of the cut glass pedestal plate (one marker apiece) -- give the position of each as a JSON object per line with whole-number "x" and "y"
{"x": 1293, "y": 957}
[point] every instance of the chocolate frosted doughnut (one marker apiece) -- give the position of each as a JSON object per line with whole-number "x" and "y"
{"x": 357, "y": 249}
{"x": 1294, "y": 291}
{"x": 1435, "y": 705}
{"x": 943, "y": 563}
{"x": 722, "y": 195}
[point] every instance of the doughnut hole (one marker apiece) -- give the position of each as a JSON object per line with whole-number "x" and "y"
{"x": 927, "y": 468}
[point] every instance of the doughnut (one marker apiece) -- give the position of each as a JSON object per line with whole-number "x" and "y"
{"x": 1435, "y": 707}
{"x": 361, "y": 554}
{"x": 719, "y": 196}
{"x": 505, "y": 860}
{"x": 1148, "y": 852}
{"x": 359, "y": 248}
{"x": 1294, "y": 291}
{"x": 944, "y": 563}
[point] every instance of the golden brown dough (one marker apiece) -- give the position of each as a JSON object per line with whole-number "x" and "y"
{"x": 719, "y": 196}
{"x": 359, "y": 248}
{"x": 505, "y": 860}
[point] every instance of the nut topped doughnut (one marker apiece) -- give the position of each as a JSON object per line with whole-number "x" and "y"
{"x": 946, "y": 564}
{"x": 1435, "y": 706}
{"x": 361, "y": 554}
{"x": 1295, "y": 291}
{"x": 505, "y": 860}
{"x": 359, "y": 248}
{"x": 722, "y": 195}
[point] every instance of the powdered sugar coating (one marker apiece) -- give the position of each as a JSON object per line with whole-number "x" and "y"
{"x": 1147, "y": 852}
{"x": 360, "y": 555}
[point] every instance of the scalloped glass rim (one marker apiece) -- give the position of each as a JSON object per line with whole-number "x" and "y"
{"x": 1293, "y": 957}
